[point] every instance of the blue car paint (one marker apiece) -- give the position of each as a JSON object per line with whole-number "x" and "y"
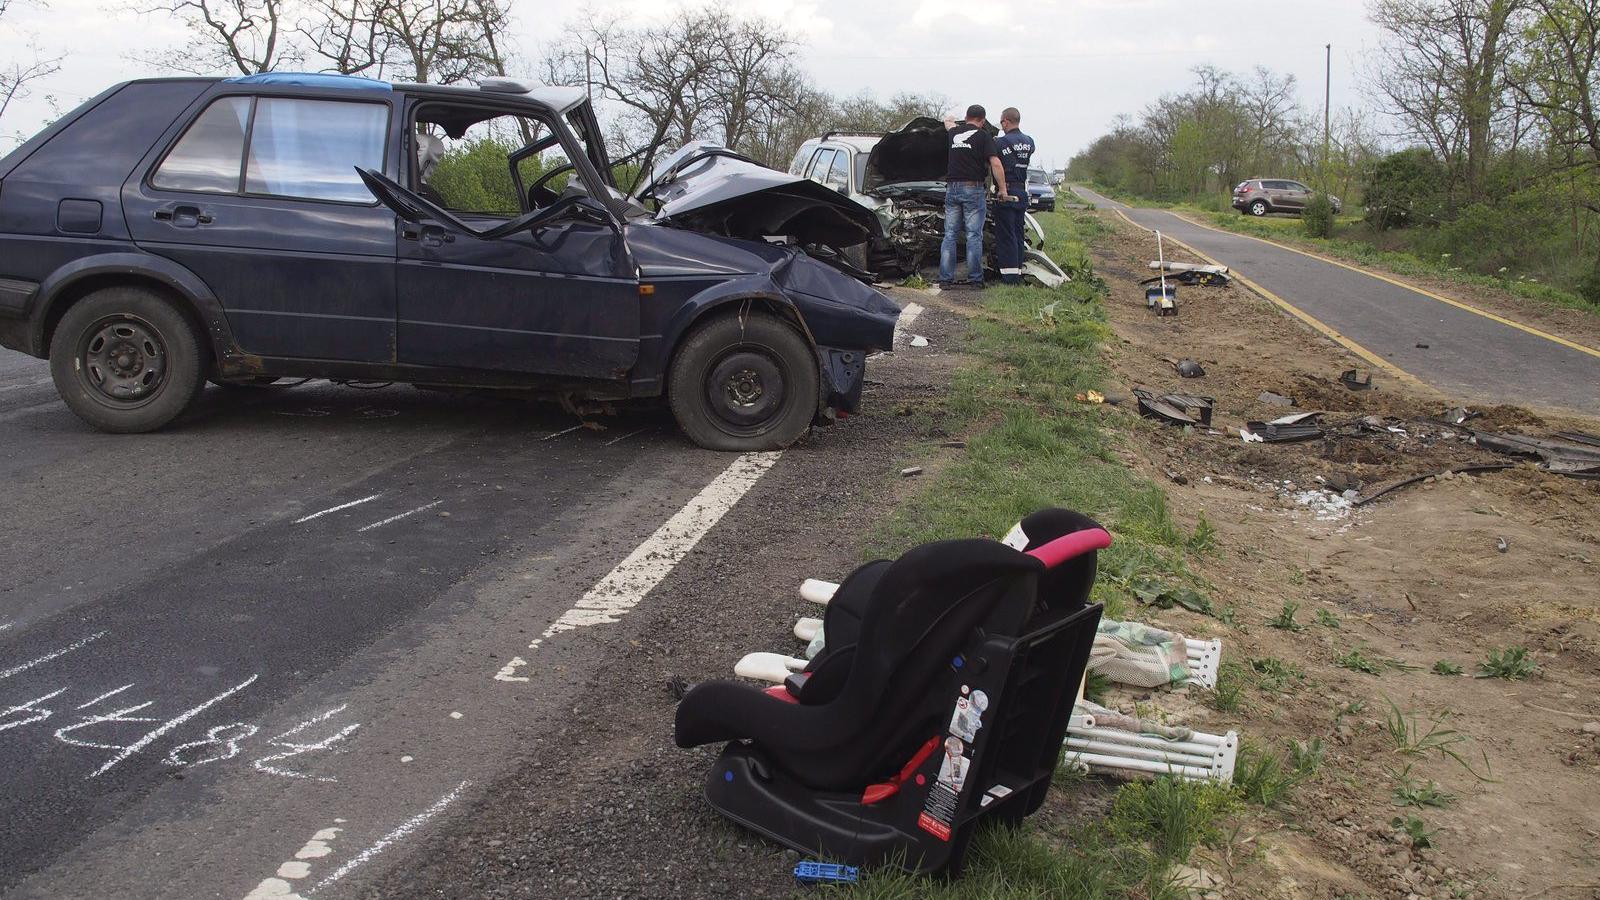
{"x": 306, "y": 288}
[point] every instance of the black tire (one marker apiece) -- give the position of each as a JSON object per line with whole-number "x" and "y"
{"x": 126, "y": 360}
{"x": 744, "y": 384}
{"x": 1259, "y": 208}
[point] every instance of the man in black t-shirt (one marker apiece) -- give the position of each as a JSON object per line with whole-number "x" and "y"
{"x": 973, "y": 158}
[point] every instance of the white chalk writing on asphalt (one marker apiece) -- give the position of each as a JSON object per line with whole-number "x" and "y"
{"x": 123, "y": 726}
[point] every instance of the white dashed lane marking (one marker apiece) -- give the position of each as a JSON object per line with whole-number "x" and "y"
{"x": 334, "y": 509}
{"x": 409, "y": 512}
{"x": 653, "y": 560}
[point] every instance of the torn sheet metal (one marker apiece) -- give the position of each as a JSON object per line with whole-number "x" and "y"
{"x": 1578, "y": 459}
{"x": 1296, "y": 418}
{"x": 1178, "y": 409}
{"x": 1287, "y": 433}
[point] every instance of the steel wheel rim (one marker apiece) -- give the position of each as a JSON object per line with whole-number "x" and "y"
{"x": 123, "y": 361}
{"x": 745, "y": 389}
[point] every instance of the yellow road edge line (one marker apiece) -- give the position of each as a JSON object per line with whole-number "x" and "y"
{"x": 1581, "y": 348}
{"x": 1320, "y": 326}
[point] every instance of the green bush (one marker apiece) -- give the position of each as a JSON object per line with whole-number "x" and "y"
{"x": 1520, "y": 231}
{"x": 1589, "y": 285}
{"x": 1404, "y": 189}
{"x": 1318, "y": 216}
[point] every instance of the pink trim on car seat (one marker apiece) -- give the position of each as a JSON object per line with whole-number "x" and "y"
{"x": 1069, "y": 546}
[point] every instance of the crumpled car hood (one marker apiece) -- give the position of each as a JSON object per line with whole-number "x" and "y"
{"x": 918, "y": 151}
{"x": 704, "y": 187}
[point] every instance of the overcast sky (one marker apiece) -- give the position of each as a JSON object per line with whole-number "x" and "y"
{"x": 1070, "y": 66}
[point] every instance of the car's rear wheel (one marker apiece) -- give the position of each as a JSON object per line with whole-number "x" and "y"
{"x": 744, "y": 383}
{"x": 1259, "y": 208}
{"x": 126, "y": 360}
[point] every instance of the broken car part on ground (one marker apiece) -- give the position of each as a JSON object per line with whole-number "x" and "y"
{"x": 719, "y": 289}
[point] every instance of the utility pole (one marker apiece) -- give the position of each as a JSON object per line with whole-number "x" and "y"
{"x": 1327, "y": 96}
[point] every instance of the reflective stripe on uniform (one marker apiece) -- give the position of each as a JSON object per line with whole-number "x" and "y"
{"x": 1005, "y": 271}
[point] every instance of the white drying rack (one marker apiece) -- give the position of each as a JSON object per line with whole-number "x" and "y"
{"x": 1202, "y": 657}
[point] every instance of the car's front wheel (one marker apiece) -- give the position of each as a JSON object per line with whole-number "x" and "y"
{"x": 1258, "y": 208}
{"x": 744, "y": 383}
{"x": 126, "y": 360}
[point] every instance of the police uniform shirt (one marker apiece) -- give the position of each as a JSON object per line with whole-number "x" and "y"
{"x": 970, "y": 150}
{"x": 1016, "y": 151}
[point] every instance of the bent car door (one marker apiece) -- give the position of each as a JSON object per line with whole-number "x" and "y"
{"x": 553, "y": 291}
{"x": 258, "y": 196}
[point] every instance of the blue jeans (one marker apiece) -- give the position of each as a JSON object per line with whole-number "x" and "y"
{"x": 965, "y": 205}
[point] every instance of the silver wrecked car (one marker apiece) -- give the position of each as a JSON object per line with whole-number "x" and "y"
{"x": 899, "y": 175}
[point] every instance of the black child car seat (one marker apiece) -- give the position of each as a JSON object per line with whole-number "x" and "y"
{"x": 942, "y": 697}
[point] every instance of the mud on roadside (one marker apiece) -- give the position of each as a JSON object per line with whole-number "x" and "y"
{"x": 1413, "y": 578}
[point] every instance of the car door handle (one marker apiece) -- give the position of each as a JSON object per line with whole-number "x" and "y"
{"x": 183, "y": 215}
{"x": 427, "y": 235}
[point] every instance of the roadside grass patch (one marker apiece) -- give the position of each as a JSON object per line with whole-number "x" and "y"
{"x": 1409, "y": 791}
{"x": 1267, "y": 778}
{"x": 1416, "y": 734}
{"x": 1446, "y": 667}
{"x": 1035, "y": 446}
{"x": 1512, "y": 664}
{"x": 1285, "y": 618}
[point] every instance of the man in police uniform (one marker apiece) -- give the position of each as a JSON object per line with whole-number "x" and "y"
{"x": 973, "y": 157}
{"x": 1016, "y": 151}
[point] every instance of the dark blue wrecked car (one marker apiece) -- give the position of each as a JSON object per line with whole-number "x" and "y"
{"x": 174, "y": 231}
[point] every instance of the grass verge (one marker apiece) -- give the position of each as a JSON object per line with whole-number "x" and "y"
{"x": 1030, "y": 445}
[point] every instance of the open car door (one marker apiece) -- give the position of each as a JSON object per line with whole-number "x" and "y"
{"x": 554, "y": 291}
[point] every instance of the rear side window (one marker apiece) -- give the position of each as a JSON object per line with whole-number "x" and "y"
{"x": 311, "y": 148}
{"x": 296, "y": 148}
{"x": 839, "y": 175}
{"x": 798, "y": 167}
{"x": 210, "y": 155}
{"x": 820, "y": 165}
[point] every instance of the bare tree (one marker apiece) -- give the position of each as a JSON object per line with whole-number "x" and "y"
{"x": 17, "y": 74}
{"x": 346, "y": 35}
{"x": 443, "y": 41}
{"x": 1556, "y": 77}
{"x": 1442, "y": 73}
{"x": 238, "y": 35}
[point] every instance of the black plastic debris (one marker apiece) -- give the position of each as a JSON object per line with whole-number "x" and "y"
{"x": 1364, "y": 499}
{"x": 1579, "y": 437}
{"x": 1356, "y": 380}
{"x": 1274, "y": 433}
{"x": 1274, "y": 399}
{"x": 1194, "y": 277}
{"x": 1188, "y": 368}
{"x": 1178, "y": 409}
{"x": 1577, "y": 459}
{"x": 1421, "y": 346}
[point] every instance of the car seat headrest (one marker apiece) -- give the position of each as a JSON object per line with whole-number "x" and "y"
{"x": 430, "y": 149}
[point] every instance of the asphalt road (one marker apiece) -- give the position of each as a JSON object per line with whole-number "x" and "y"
{"x": 261, "y": 650}
{"x": 1473, "y": 358}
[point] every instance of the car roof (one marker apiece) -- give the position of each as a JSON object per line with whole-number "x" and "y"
{"x": 861, "y": 143}
{"x": 560, "y": 98}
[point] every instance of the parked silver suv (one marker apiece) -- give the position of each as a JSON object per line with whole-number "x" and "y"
{"x": 1260, "y": 196}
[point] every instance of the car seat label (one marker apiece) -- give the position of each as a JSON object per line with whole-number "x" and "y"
{"x": 966, "y": 718}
